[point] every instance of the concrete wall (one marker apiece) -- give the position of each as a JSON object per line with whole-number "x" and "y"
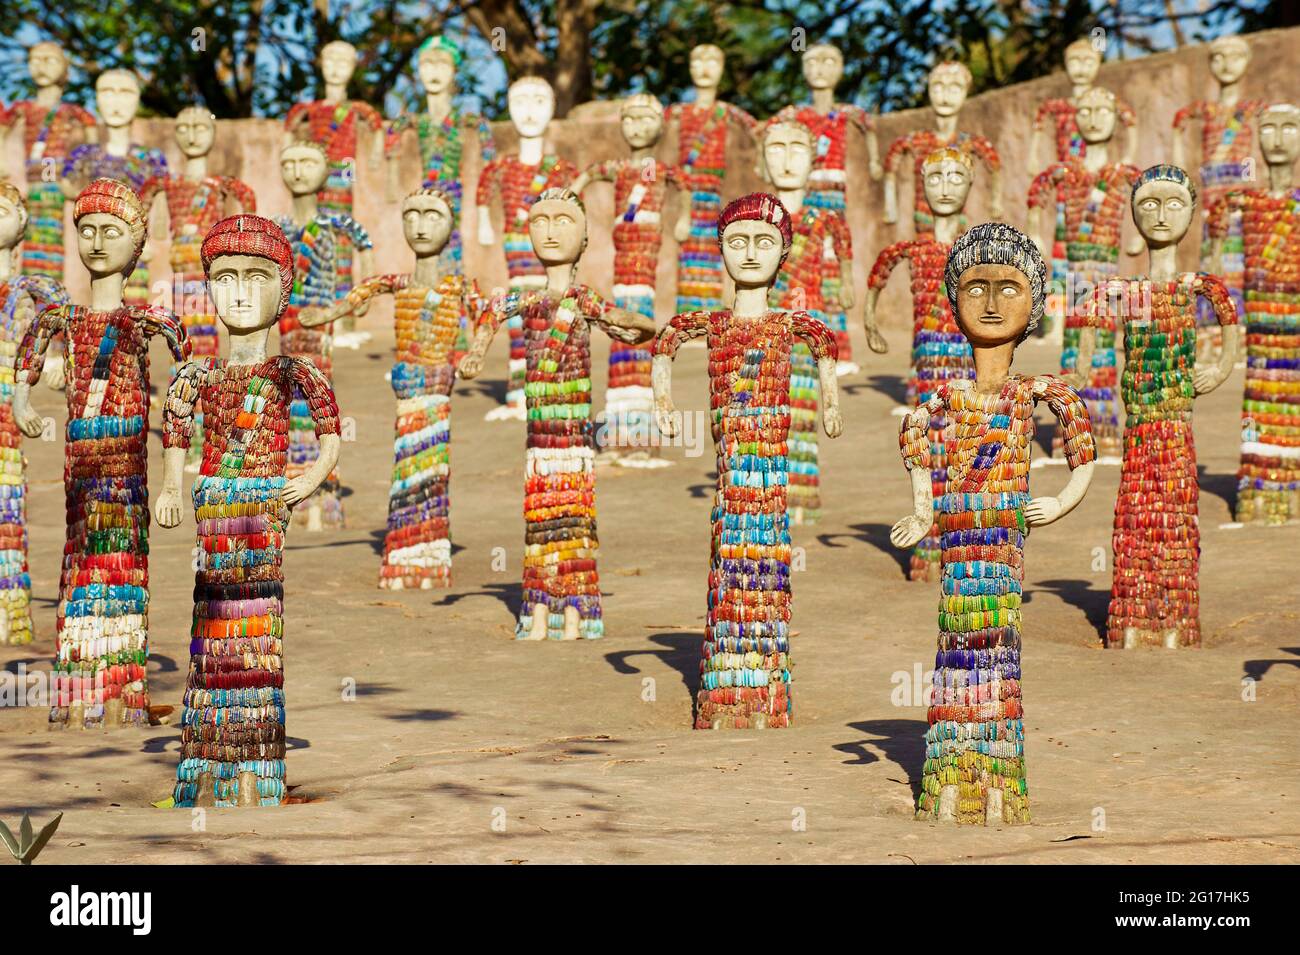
{"x": 1156, "y": 86}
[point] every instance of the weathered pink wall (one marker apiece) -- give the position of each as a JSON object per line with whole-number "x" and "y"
{"x": 1156, "y": 86}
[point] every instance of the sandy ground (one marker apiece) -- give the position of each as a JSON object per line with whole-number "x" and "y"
{"x": 461, "y": 744}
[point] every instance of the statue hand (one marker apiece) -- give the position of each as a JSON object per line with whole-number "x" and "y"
{"x": 170, "y": 509}
{"x": 666, "y": 419}
{"x": 832, "y": 421}
{"x": 53, "y": 375}
{"x": 682, "y": 230}
{"x": 1205, "y": 378}
{"x": 846, "y": 293}
{"x": 876, "y": 171}
{"x": 909, "y": 531}
{"x": 28, "y": 419}
{"x": 1135, "y": 246}
{"x": 1076, "y": 379}
{"x": 1042, "y": 510}
{"x": 311, "y": 315}
{"x": 297, "y": 490}
{"x": 876, "y": 341}
{"x": 485, "y": 234}
{"x": 470, "y": 365}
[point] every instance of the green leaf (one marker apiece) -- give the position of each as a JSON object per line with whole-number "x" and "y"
{"x": 25, "y": 832}
{"x": 48, "y": 830}
{"x": 8, "y": 837}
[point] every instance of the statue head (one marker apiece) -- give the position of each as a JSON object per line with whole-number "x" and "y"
{"x": 823, "y": 65}
{"x": 1095, "y": 115}
{"x": 641, "y": 120}
{"x": 754, "y": 234}
{"x": 13, "y": 215}
{"x": 47, "y": 64}
{"x": 110, "y": 221}
{"x": 947, "y": 175}
{"x": 788, "y": 154}
{"x": 117, "y": 97}
{"x": 439, "y": 57}
{"x": 707, "y": 62}
{"x": 304, "y": 167}
{"x": 557, "y": 226}
{"x": 997, "y": 284}
{"x": 338, "y": 61}
{"x": 427, "y": 220}
{"x": 531, "y": 102}
{"x": 1163, "y": 202}
{"x": 1082, "y": 61}
{"x": 1279, "y": 134}
{"x": 195, "y": 131}
{"x": 948, "y": 85}
{"x": 1229, "y": 57}
{"x": 249, "y": 266}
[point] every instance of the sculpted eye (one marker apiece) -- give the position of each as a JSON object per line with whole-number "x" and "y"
{"x": 1149, "y": 205}
{"x": 1010, "y": 290}
{"x": 1175, "y": 204}
{"x": 975, "y": 291}
{"x": 736, "y": 242}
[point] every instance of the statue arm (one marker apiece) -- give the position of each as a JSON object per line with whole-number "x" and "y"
{"x": 914, "y": 446}
{"x": 897, "y": 149}
{"x": 1080, "y": 450}
{"x": 324, "y": 410}
{"x": 178, "y": 429}
{"x": 679, "y": 330}
{"x": 876, "y": 282}
{"x": 1206, "y": 378}
{"x": 821, "y": 342}
{"x": 631, "y": 328}
{"x": 498, "y": 310}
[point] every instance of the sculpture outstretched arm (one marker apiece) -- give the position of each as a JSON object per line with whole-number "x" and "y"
{"x": 631, "y": 328}
{"x": 497, "y": 311}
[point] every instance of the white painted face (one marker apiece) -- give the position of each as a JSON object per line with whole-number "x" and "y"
{"x": 706, "y": 67}
{"x": 303, "y": 169}
{"x": 12, "y": 224}
{"x": 1095, "y": 117}
{"x": 947, "y": 184}
{"x": 948, "y": 88}
{"x": 437, "y": 72}
{"x": 117, "y": 97}
{"x": 1081, "y": 65}
{"x": 104, "y": 243}
{"x": 245, "y": 291}
{"x": 788, "y": 155}
{"x": 337, "y": 64}
{"x": 532, "y": 105}
{"x": 426, "y": 224}
{"x": 1279, "y": 137}
{"x": 47, "y": 65}
{"x": 1162, "y": 211}
{"x": 195, "y": 132}
{"x": 557, "y": 229}
{"x": 1228, "y": 61}
{"x": 751, "y": 252}
{"x": 823, "y": 65}
{"x": 642, "y": 127}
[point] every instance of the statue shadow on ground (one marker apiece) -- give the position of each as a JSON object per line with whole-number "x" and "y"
{"x": 422, "y": 716}
{"x": 681, "y": 651}
{"x": 510, "y": 594}
{"x": 893, "y": 387}
{"x": 494, "y": 388}
{"x": 1255, "y": 669}
{"x": 901, "y": 741}
{"x": 1222, "y": 486}
{"x": 877, "y": 536}
{"x": 25, "y": 662}
{"x": 1079, "y": 594}
{"x": 704, "y": 490}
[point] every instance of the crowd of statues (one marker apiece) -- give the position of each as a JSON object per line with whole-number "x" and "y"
{"x": 261, "y": 431}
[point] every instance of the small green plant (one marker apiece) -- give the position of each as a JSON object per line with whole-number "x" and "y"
{"x": 28, "y": 846}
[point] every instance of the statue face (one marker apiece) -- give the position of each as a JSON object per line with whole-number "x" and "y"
{"x": 246, "y": 291}
{"x": 1162, "y": 211}
{"x": 1279, "y": 137}
{"x": 12, "y": 224}
{"x": 46, "y": 64}
{"x": 823, "y": 66}
{"x": 706, "y": 67}
{"x": 947, "y": 92}
{"x": 1228, "y": 62}
{"x": 117, "y": 97}
{"x": 1095, "y": 118}
{"x": 1082, "y": 64}
{"x": 947, "y": 184}
{"x": 641, "y": 128}
{"x": 426, "y": 223}
{"x": 195, "y": 131}
{"x": 751, "y": 252}
{"x": 531, "y": 105}
{"x": 303, "y": 169}
{"x": 993, "y": 304}
{"x": 557, "y": 230}
{"x": 104, "y": 243}
{"x": 337, "y": 64}
{"x": 437, "y": 73}
{"x": 788, "y": 155}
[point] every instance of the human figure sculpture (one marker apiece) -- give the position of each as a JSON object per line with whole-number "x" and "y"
{"x": 1090, "y": 193}
{"x": 1154, "y": 593}
{"x": 1268, "y": 479}
{"x": 20, "y": 298}
{"x": 102, "y": 645}
{"x": 51, "y": 129}
{"x": 1227, "y": 164}
{"x": 745, "y": 670}
{"x": 117, "y": 99}
{"x": 561, "y": 587}
{"x": 949, "y": 83}
{"x": 701, "y": 127}
{"x": 440, "y": 131}
{"x": 324, "y": 273}
{"x": 195, "y": 201}
{"x": 233, "y": 717}
{"x": 518, "y": 179}
{"x": 640, "y": 182}
{"x": 788, "y": 158}
{"x": 941, "y": 352}
{"x": 430, "y": 308}
{"x": 974, "y": 769}
{"x": 830, "y": 122}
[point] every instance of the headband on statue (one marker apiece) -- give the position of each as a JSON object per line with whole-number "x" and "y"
{"x": 440, "y": 44}
{"x": 9, "y": 192}
{"x": 759, "y": 207}
{"x": 251, "y": 235}
{"x": 116, "y": 199}
{"x": 1163, "y": 172}
{"x": 948, "y": 154}
{"x": 996, "y": 243}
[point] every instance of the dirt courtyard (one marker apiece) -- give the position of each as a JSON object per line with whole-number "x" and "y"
{"x": 421, "y": 731}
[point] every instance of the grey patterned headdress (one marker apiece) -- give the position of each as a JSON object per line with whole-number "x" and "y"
{"x": 996, "y": 243}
